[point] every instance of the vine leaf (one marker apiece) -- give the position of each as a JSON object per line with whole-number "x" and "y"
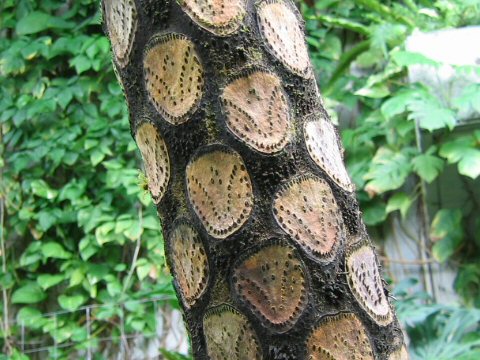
{"x": 388, "y": 171}
{"x": 464, "y": 152}
{"x": 428, "y": 166}
{"x": 447, "y": 233}
{"x": 431, "y": 114}
{"x": 30, "y": 293}
{"x": 399, "y": 201}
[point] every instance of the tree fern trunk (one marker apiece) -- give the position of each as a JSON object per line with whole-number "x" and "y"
{"x": 263, "y": 233}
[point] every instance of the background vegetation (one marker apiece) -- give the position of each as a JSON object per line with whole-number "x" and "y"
{"x": 77, "y": 227}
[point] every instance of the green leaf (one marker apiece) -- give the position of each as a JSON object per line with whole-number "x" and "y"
{"x": 71, "y": 303}
{"x": 407, "y": 58}
{"x": 38, "y": 21}
{"x": 427, "y": 166}
{"x": 446, "y": 232}
{"x": 32, "y": 254}
{"x": 30, "y": 293}
{"x": 134, "y": 231}
{"x": 76, "y": 277}
{"x": 30, "y": 317}
{"x": 46, "y": 219}
{"x": 469, "y": 98}
{"x": 431, "y": 114}
{"x": 96, "y": 157}
{"x": 54, "y": 250}
{"x": 48, "y": 280}
{"x": 462, "y": 151}
{"x": 388, "y": 171}
{"x": 88, "y": 247}
{"x": 398, "y": 103}
{"x": 399, "y": 201}
{"x": 385, "y": 35}
{"x": 81, "y": 63}
{"x": 143, "y": 268}
{"x": 170, "y": 355}
{"x": 40, "y": 188}
{"x": 470, "y": 163}
{"x": 375, "y": 213}
{"x": 376, "y": 92}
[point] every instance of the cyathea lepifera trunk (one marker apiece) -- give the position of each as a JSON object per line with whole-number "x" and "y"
{"x": 263, "y": 234}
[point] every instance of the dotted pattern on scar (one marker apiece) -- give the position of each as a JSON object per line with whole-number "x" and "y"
{"x": 220, "y": 191}
{"x": 257, "y": 111}
{"x": 229, "y": 335}
{"x": 272, "y": 282}
{"x": 305, "y": 209}
{"x": 173, "y": 76}
{"x": 366, "y": 284}
{"x": 189, "y": 262}
{"x": 221, "y": 17}
{"x": 121, "y": 20}
{"x": 284, "y": 37}
{"x": 323, "y": 148}
{"x": 155, "y": 158}
{"x": 339, "y": 337}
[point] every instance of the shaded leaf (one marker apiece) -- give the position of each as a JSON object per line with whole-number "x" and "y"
{"x": 399, "y": 201}
{"x": 427, "y": 166}
{"x": 71, "y": 303}
{"x": 30, "y": 293}
{"x": 447, "y": 233}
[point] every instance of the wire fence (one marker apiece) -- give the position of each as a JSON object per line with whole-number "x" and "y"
{"x": 103, "y": 331}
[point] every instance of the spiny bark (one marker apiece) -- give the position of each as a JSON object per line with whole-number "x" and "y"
{"x": 270, "y": 257}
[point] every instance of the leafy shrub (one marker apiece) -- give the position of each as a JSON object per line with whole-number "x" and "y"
{"x": 77, "y": 228}
{"x": 358, "y": 49}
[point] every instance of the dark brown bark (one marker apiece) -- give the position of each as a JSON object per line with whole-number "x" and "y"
{"x": 262, "y": 229}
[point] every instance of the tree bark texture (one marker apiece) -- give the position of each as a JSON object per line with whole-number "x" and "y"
{"x": 264, "y": 237}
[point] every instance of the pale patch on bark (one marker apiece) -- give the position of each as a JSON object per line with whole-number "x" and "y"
{"x": 221, "y": 17}
{"x": 272, "y": 281}
{"x": 189, "y": 262}
{"x": 284, "y": 37}
{"x": 339, "y": 337}
{"x": 366, "y": 284}
{"x": 155, "y": 158}
{"x": 323, "y": 148}
{"x": 305, "y": 209}
{"x": 121, "y": 19}
{"x": 220, "y": 191}
{"x": 229, "y": 335}
{"x": 257, "y": 111}
{"x": 173, "y": 76}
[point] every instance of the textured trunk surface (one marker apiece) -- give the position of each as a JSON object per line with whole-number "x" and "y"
{"x": 263, "y": 233}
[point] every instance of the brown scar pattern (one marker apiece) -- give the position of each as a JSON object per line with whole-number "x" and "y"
{"x": 221, "y": 17}
{"x": 272, "y": 282}
{"x": 173, "y": 76}
{"x": 339, "y": 337}
{"x": 121, "y": 19}
{"x": 257, "y": 111}
{"x": 155, "y": 158}
{"x": 283, "y": 36}
{"x": 229, "y": 335}
{"x": 366, "y": 284}
{"x": 220, "y": 191}
{"x": 189, "y": 261}
{"x": 307, "y": 211}
{"x": 323, "y": 148}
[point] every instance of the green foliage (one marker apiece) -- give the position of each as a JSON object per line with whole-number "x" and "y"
{"x": 75, "y": 210}
{"x": 437, "y": 331}
{"x": 405, "y": 137}
{"x": 381, "y": 144}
